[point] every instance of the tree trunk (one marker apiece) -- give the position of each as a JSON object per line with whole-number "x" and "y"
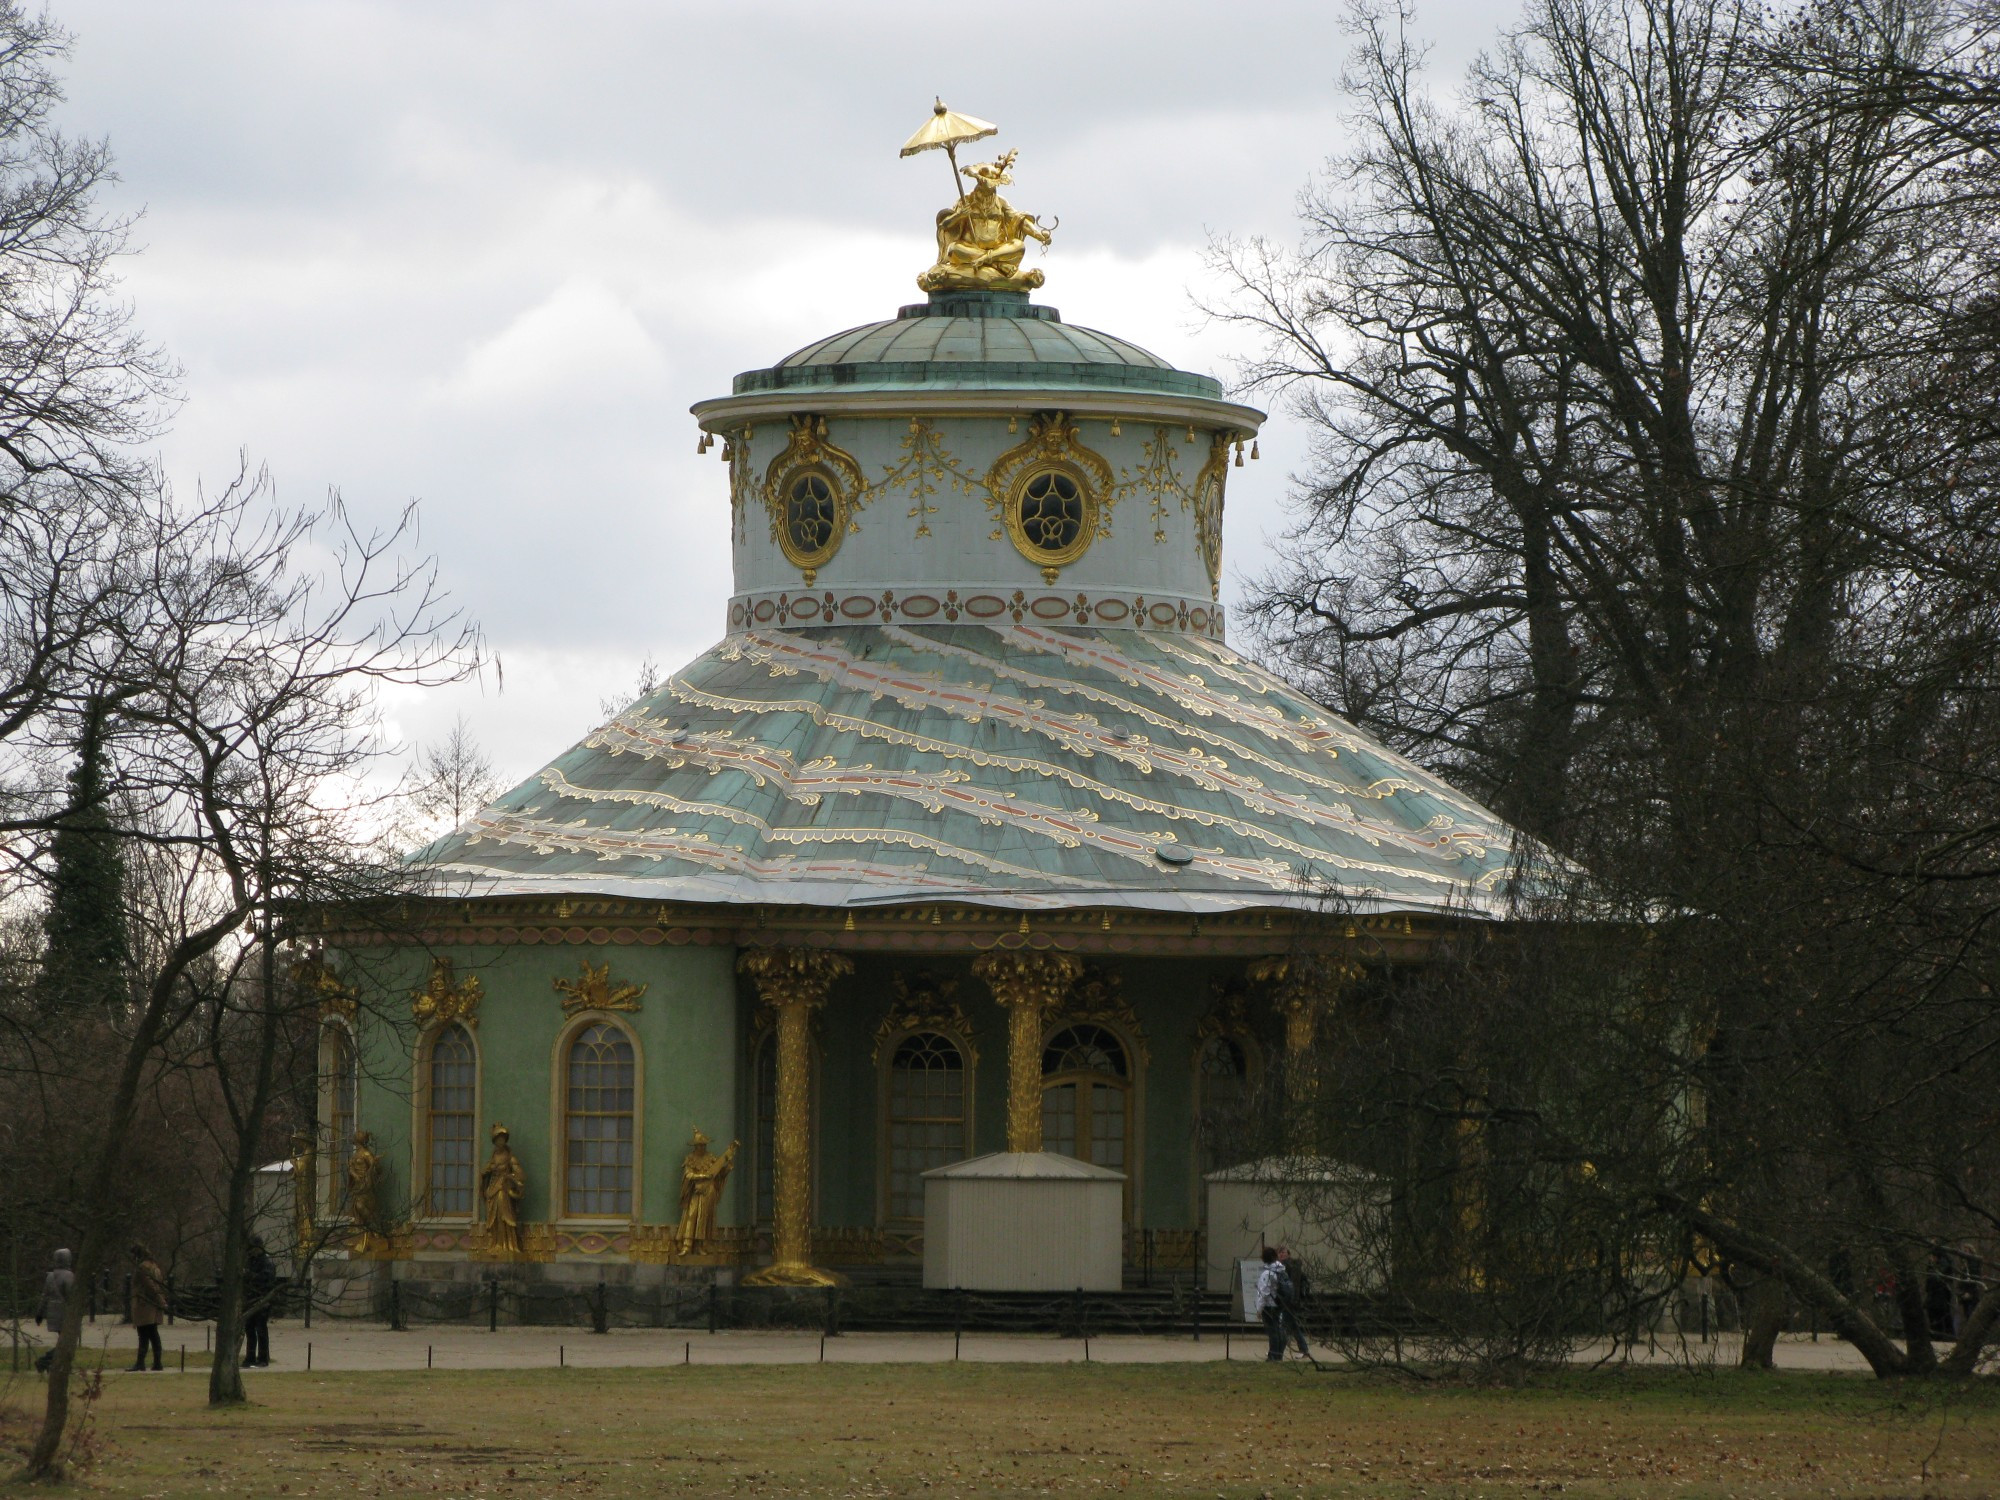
{"x": 44, "y": 1463}
{"x": 1764, "y": 1307}
{"x": 225, "y": 1371}
{"x": 1767, "y": 1255}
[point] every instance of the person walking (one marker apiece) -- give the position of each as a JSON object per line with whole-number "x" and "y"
{"x": 148, "y": 1305}
{"x": 260, "y": 1285}
{"x": 1292, "y": 1301}
{"x": 1270, "y": 1306}
{"x": 56, "y": 1289}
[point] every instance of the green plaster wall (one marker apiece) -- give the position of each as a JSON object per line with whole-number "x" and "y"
{"x": 693, "y": 1029}
{"x": 686, "y": 1035}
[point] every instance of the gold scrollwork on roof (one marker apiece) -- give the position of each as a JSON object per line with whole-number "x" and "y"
{"x": 923, "y": 1002}
{"x": 812, "y": 491}
{"x": 1052, "y": 494}
{"x": 594, "y": 989}
{"x": 446, "y": 998}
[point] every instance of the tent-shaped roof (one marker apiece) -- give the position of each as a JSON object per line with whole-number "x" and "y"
{"x": 1017, "y": 766}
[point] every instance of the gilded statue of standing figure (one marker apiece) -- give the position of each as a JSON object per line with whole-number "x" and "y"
{"x": 982, "y": 238}
{"x": 702, "y": 1176}
{"x": 501, "y": 1184}
{"x": 364, "y": 1188}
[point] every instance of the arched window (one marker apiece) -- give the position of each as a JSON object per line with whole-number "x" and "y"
{"x": 926, "y": 1125}
{"x": 343, "y": 1076}
{"x": 448, "y": 1122}
{"x": 1086, "y": 1094}
{"x": 598, "y": 1116}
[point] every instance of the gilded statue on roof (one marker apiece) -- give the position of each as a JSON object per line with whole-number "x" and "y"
{"x": 982, "y": 239}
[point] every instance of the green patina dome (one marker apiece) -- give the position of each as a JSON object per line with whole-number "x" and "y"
{"x": 975, "y": 339}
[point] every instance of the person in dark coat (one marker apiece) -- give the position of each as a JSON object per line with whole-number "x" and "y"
{"x": 260, "y": 1286}
{"x": 148, "y": 1306}
{"x": 56, "y": 1289}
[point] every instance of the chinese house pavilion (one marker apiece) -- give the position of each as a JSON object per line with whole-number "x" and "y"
{"x": 971, "y": 834}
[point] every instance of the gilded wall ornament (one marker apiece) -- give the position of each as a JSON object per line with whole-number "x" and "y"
{"x": 595, "y": 990}
{"x": 923, "y": 1002}
{"x": 444, "y": 998}
{"x": 812, "y": 490}
{"x": 1098, "y": 996}
{"x": 317, "y": 977}
{"x": 1052, "y": 494}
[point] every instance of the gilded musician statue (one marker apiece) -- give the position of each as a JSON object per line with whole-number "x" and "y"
{"x": 364, "y": 1189}
{"x": 305, "y": 1184}
{"x": 702, "y": 1176}
{"x": 501, "y": 1184}
{"x": 982, "y": 238}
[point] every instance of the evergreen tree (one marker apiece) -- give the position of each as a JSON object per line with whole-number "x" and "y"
{"x": 85, "y": 951}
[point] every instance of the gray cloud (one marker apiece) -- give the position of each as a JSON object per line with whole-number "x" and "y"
{"x": 486, "y": 255}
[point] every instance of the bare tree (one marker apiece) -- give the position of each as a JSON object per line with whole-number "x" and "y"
{"x": 1653, "y": 497}
{"x": 452, "y": 779}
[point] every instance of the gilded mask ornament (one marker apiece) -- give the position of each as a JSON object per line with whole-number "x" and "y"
{"x": 444, "y": 998}
{"x": 924, "y": 1002}
{"x": 1053, "y": 495}
{"x": 812, "y": 491}
{"x": 317, "y": 977}
{"x": 595, "y": 990}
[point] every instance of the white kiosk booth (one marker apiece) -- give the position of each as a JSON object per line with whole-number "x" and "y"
{"x": 1024, "y": 1221}
{"x": 1333, "y": 1216}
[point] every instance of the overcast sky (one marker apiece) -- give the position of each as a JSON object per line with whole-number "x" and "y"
{"x": 485, "y": 255}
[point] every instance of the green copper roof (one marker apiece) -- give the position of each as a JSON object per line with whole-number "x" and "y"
{"x": 1020, "y": 766}
{"x": 976, "y": 339}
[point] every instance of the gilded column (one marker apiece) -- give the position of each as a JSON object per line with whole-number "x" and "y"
{"x": 792, "y": 981}
{"x": 1027, "y": 986}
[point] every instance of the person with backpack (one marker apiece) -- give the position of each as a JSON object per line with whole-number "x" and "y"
{"x": 260, "y": 1287}
{"x": 56, "y": 1289}
{"x": 1273, "y": 1288}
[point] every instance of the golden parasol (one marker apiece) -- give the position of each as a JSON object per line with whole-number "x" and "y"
{"x": 949, "y": 129}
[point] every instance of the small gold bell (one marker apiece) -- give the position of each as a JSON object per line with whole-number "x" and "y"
{"x": 1253, "y": 449}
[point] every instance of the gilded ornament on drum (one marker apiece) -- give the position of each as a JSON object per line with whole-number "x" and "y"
{"x": 812, "y": 490}
{"x": 1053, "y": 495}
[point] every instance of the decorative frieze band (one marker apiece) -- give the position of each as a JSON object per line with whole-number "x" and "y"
{"x": 976, "y": 606}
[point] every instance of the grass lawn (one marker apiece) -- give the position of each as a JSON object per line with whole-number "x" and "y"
{"x": 1014, "y": 1429}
